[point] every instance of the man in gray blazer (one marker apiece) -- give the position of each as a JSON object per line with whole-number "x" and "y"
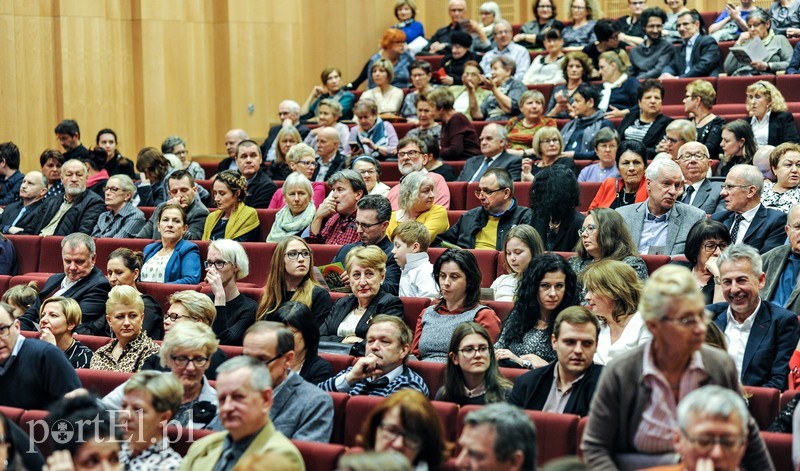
{"x": 782, "y": 265}
{"x": 300, "y": 410}
{"x": 700, "y": 192}
{"x": 660, "y": 224}
{"x": 493, "y": 144}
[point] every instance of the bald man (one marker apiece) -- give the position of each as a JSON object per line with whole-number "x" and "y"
{"x": 22, "y": 214}
{"x": 329, "y": 159}
{"x": 232, "y": 140}
{"x": 289, "y": 114}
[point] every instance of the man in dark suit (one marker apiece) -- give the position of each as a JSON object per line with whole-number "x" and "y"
{"x": 260, "y": 186}
{"x": 183, "y": 192}
{"x": 81, "y": 281}
{"x": 232, "y": 140}
{"x": 761, "y": 335}
{"x": 573, "y": 374}
{"x": 329, "y": 159}
{"x": 748, "y": 220}
{"x": 289, "y": 114}
{"x": 23, "y": 214}
{"x": 699, "y": 191}
{"x": 702, "y": 51}
{"x": 782, "y": 265}
{"x": 660, "y": 224}
{"x": 493, "y": 144}
{"x": 77, "y": 211}
{"x": 300, "y": 410}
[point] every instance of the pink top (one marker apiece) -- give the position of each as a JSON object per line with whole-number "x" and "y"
{"x": 318, "y": 197}
{"x": 442, "y": 193}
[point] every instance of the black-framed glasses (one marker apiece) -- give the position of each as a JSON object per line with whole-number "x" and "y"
{"x": 410, "y": 153}
{"x": 706, "y": 443}
{"x": 5, "y": 329}
{"x": 470, "y": 351}
{"x": 587, "y": 230}
{"x": 218, "y": 264}
{"x": 712, "y": 246}
{"x": 390, "y": 433}
{"x": 696, "y": 156}
{"x": 269, "y": 362}
{"x": 293, "y": 255}
{"x": 174, "y": 317}
{"x": 112, "y": 189}
{"x": 486, "y": 192}
{"x": 182, "y": 361}
{"x": 367, "y": 225}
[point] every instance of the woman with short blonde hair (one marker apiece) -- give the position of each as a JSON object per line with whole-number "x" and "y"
{"x": 771, "y": 122}
{"x": 58, "y": 317}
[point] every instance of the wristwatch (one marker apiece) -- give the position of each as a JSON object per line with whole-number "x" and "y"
{"x": 527, "y": 365}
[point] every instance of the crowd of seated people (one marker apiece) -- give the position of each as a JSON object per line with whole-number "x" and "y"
{"x": 581, "y": 313}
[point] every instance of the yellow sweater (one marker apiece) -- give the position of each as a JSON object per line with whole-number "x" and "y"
{"x": 435, "y": 219}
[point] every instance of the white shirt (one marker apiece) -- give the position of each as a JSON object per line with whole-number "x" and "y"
{"x": 737, "y": 335}
{"x": 761, "y": 129}
{"x": 744, "y": 224}
{"x": 634, "y": 334}
{"x": 416, "y": 278}
{"x": 505, "y": 288}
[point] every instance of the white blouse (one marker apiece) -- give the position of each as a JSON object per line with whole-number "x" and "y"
{"x": 634, "y": 334}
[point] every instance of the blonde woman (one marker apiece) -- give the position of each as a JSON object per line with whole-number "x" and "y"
{"x": 771, "y": 122}
{"x": 302, "y": 160}
{"x": 58, "y": 318}
{"x": 287, "y": 138}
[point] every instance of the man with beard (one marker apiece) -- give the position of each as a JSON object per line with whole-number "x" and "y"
{"x": 77, "y": 211}
{"x": 650, "y": 58}
{"x": 412, "y": 155}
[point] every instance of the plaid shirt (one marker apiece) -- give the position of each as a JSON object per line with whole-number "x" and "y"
{"x": 408, "y": 379}
{"x": 338, "y": 230}
{"x": 124, "y": 225}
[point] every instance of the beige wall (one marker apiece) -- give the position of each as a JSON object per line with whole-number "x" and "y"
{"x": 150, "y": 68}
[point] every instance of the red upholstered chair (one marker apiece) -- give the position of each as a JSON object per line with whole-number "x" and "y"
{"x": 207, "y": 183}
{"x": 675, "y": 89}
{"x": 34, "y": 423}
{"x": 513, "y": 373}
{"x": 487, "y": 262}
{"x": 319, "y": 456}
{"x": 357, "y": 409}
{"x": 101, "y": 382}
{"x": 458, "y": 166}
{"x": 780, "y": 449}
{"x": 732, "y": 90}
{"x": 231, "y": 350}
{"x": 546, "y": 89}
{"x": 435, "y": 61}
{"x": 587, "y": 192}
{"x": 453, "y": 215}
{"x": 581, "y": 428}
{"x": 339, "y": 403}
{"x": 323, "y": 254}
{"x": 654, "y": 262}
{"x": 763, "y": 404}
{"x": 162, "y": 291}
{"x": 106, "y": 246}
{"x": 92, "y": 341}
{"x": 39, "y": 278}
{"x": 502, "y": 308}
{"x": 448, "y": 414}
{"x": 338, "y": 362}
{"x": 266, "y": 218}
{"x": 260, "y": 256}
{"x": 4, "y": 282}
{"x": 390, "y": 171}
{"x": 148, "y": 211}
{"x": 403, "y": 128}
{"x": 478, "y": 126}
{"x": 458, "y": 195}
{"x": 789, "y": 85}
{"x": 50, "y": 255}
{"x": 412, "y": 310}
{"x": 28, "y": 248}
{"x": 182, "y": 438}
{"x": 431, "y": 372}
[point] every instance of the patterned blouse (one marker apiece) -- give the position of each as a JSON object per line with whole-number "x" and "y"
{"x": 535, "y": 341}
{"x": 159, "y": 456}
{"x": 133, "y": 355}
{"x": 79, "y": 355}
{"x": 154, "y": 269}
{"x": 780, "y": 201}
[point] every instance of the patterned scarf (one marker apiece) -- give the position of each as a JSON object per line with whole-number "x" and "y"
{"x": 286, "y": 224}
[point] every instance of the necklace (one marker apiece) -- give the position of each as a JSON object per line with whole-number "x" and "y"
{"x": 698, "y": 121}
{"x": 554, "y": 225}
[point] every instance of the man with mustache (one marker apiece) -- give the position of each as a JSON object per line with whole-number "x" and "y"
{"x": 413, "y": 156}
{"x": 565, "y": 386}
{"x": 77, "y": 211}
{"x": 383, "y": 370}
{"x": 660, "y": 224}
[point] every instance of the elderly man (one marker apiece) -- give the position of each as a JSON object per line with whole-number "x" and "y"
{"x": 22, "y": 216}
{"x": 68, "y": 134}
{"x": 413, "y": 156}
{"x": 486, "y": 227}
{"x": 498, "y": 437}
{"x": 260, "y": 186}
{"x": 77, "y": 211}
{"x": 232, "y": 140}
{"x": 749, "y": 221}
{"x": 372, "y": 220}
{"x": 493, "y": 147}
{"x": 697, "y": 55}
{"x": 761, "y": 336}
{"x": 335, "y": 221}
{"x": 9, "y": 170}
{"x": 650, "y": 58}
{"x": 183, "y": 192}
{"x": 383, "y": 370}
{"x": 638, "y": 393}
{"x": 699, "y": 191}
{"x": 660, "y": 224}
{"x": 440, "y": 42}
{"x": 781, "y": 266}
{"x": 565, "y": 386}
{"x": 81, "y": 281}
{"x": 33, "y": 373}
{"x": 245, "y": 397}
{"x": 289, "y": 114}
{"x": 300, "y": 410}
{"x": 504, "y": 46}
{"x": 678, "y": 133}
{"x": 329, "y": 159}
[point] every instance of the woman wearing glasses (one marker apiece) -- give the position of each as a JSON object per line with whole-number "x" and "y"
{"x": 123, "y": 220}
{"x": 123, "y": 268}
{"x": 458, "y": 278}
{"x": 613, "y": 290}
{"x": 472, "y": 375}
{"x": 226, "y": 264}
{"x": 291, "y": 278}
{"x": 785, "y": 164}
{"x": 417, "y": 195}
{"x": 370, "y": 171}
{"x": 778, "y": 49}
{"x": 173, "y": 259}
{"x": 604, "y": 236}
{"x": 547, "y": 146}
{"x": 186, "y": 352}
{"x": 531, "y": 34}
{"x": 302, "y": 159}
{"x": 704, "y": 244}
{"x": 348, "y": 320}
{"x": 409, "y": 416}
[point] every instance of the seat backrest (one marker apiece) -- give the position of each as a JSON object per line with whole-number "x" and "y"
{"x": 357, "y": 409}
{"x": 487, "y": 262}
{"x": 502, "y": 308}
{"x": 28, "y": 248}
{"x": 763, "y": 404}
{"x": 654, "y": 262}
{"x": 231, "y": 350}
{"x": 789, "y": 85}
{"x": 259, "y": 255}
{"x": 106, "y": 246}
{"x": 453, "y": 215}
{"x": 181, "y": 438}
{"x": 513, "y": 373}
{"x": 92, "y": 341}
{"x": 412, "y": 310}
{"x": 101, "y": 382}
{"x": 588, "y": 190}
{"x": 162, "y": 291}
{"x": 579, "y": 435}
{"x": 319, "y": 456}
{"x": 338, "y": 362}
{"x": 339, "y": 403}
{"x": 50, "y": 255}
{"x": 448, "y": 414}
{"x": 458, "y": 195}
{"x": 779, "y": 446}
{"x": 431, "y": 372}
{"x": 34, "y": 423}
{"x": 324, "y": 254}
{"x": 266, "y": 218}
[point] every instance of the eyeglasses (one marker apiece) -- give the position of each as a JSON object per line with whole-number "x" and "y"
{"x": 174, "y": 317}
{"x": 755, "y": 25}
{"x": 576, "y": 7}
{"x": 587, "y": 230}
{"x": 293, "y": 255}
{"x": 712, "y": 246}
{"x": 729, "y": 187}
{"x": 705, "y": 443}
{"x": 182, "y": 361}
{"x": 552, "y": 140}
{"x": 218, "y": 264}
{"x": 367, "y": 172}
{"x": 367, "y": 225}
{"x": 471, "y": 351}
{"x": 269, "y": 362}
{"x": 688, "y": 321}
{"x": 390, "y": 434}
{"x": 484, "y": 191}
{"x": 545, "y": 7}
{"x": 5, "y": 329}
{"x": 111, "y": 189}
{"x": 181, "y": 152}
{"x": 671, "y": 139}
{"x": 692, "y": 156}
{"x": 308, "y": 163}
{"x": 410, "y": 153}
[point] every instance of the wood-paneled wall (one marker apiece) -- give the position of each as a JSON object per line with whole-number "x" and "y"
{"x": 151, "y": 68}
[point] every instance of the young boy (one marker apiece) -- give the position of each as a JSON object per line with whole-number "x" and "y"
{"x": 411, "y": 240}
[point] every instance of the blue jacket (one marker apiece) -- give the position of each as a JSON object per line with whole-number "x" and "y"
{"x": 183, "y": 267}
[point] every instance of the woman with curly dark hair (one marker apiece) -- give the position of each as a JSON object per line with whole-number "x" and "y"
{"x": 233, "y": 219}
{"x": 547, "y": 287}
{"x": 472, "y": 375}
{"x": 555, "y": 208}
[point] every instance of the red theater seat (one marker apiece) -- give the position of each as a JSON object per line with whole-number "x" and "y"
{"x": 28, "y": 248}
{"x": 231, "y": 350}
{"x": 50, "y": 255}
{"x": 502, "y": 308}
{"x": 654, "y": 262}
{"x": 339, "y": 403}
{"x": 106, "y": 246}
{"x": 787, "y": 396}
{"x": 458, "y": 195}
{"x": 101, "y": 382}
{"x": 324, "y": 254}
{"x": 182, "y": 438}
{"x": 338, "y": 362}
{"x": 266, "y": 218}
{"x": 162, "y": 291}
{"x": 39, "y": 278}
{"x": 431, "y": 372}
{"x": 763, "y": 404}
{"x": 789, "y": 85}
{"x": 319, "y": 456}
{"x": 513, "y": 373}
{"x": 453, "y": 215}
{"x": 92, "y": 341}
{"x": 357, "y": 410}
{"x": 780, "y": 449}
{"x": 487, "y": 262}
{"x": 34, "y": 423}
{"x": 210, "y": 168}
{"x": 588, "y": 191}
{"x": 390, "y": 172}
{"x": 412, "y": 310}
{"x": 581, "y": 428}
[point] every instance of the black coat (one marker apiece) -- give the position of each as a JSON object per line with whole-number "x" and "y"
{"x": 316, "y": 370}
{"x": 567, "y": 236}
{"x": 382, "y": 303}
{"x": 260, "y": 190}
{"x": 531, "y": 389}
{"x": 28, "y": 222}
{"x": 654, "y": 134}
{"x": 782, "y": 128}
{"x": 81, "y": 217}
{"x": 464, "y": 231}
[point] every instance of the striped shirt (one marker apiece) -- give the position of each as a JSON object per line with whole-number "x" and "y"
{"x": 407, "y": 379}
{"x": 125, "y": 224}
